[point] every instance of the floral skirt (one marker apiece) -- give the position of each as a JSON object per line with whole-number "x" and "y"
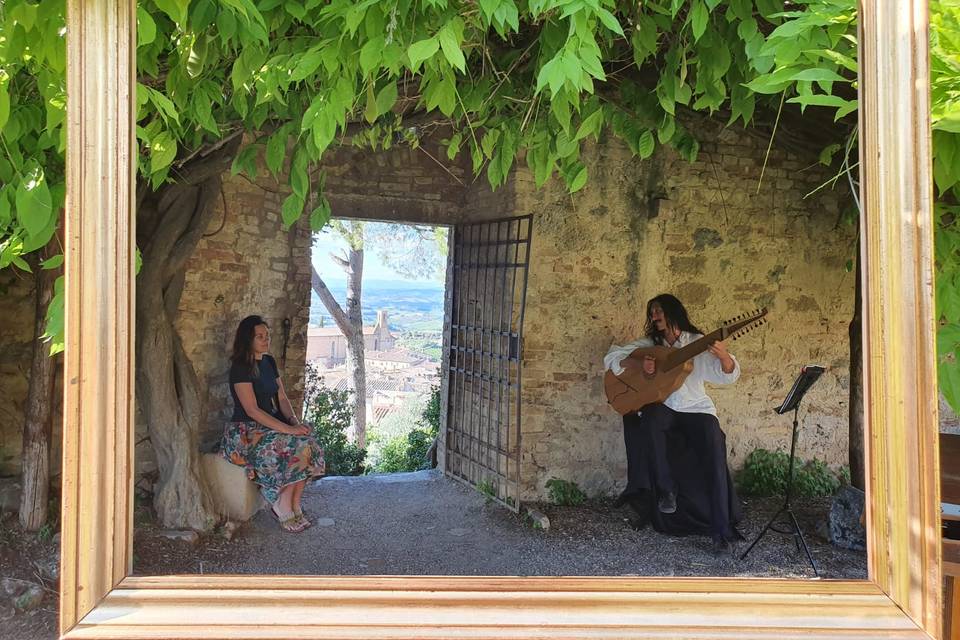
{"x": 272, "y": 459}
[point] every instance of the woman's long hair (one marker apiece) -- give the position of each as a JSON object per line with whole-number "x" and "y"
{"x": 243, "y": 344}
{"x": 675, "y": 314}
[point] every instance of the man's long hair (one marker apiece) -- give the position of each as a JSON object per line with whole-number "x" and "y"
{"x": 243, "y": 344}
{"x": 675, "y": 314}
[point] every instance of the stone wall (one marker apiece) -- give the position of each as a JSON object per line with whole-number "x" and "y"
{"x": 401, "y": 184}
{"x": 710, "y": 237}
{"x": 16, "y": 338}
{"x": 723, "y": 248}
{"x": 246, "y": 263}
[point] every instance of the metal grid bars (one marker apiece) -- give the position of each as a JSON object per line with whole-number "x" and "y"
{"x": 490, "y": 262}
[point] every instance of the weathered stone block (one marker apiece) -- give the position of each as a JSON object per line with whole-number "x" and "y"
{"x": 691, "y": 265}
{"x": 234, "y": 495}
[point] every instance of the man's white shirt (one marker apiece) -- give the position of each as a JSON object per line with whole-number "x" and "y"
{"x": 691, "y": 397}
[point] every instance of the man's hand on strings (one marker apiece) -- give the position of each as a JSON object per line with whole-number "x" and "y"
{"x": 719, "y": 349}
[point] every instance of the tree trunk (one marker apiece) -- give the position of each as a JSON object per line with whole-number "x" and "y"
{"x": 356, "y": 363}
{"x": 855, "y": 436}
{"x": 350, "y": 323}
{"x": 35, "y": 495}
{"x": 170, "y": 223}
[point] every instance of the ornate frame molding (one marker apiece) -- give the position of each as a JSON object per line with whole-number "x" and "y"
{"x": 901, "y": 599}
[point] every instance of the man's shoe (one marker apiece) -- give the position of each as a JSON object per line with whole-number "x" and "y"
{"x": 721, "y": 548}
{"x": 639, "y": 524}
{"x": 667, "y": 502}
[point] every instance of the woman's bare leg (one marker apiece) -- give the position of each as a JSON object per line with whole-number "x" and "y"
{"x": 297, "y": 497}
{"x": 283, "y": 507}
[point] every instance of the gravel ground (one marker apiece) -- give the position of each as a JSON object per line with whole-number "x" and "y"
{"x": 424, "y": 524}
{"x": 20, "y": 554}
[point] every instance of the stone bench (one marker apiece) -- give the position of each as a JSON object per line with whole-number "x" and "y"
{"x": 235, "y": 497}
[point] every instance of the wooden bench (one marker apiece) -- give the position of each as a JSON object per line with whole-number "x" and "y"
{"x": 235, "y": 497}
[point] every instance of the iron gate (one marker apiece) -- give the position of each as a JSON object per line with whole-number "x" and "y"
{"x": 482, "y": 438}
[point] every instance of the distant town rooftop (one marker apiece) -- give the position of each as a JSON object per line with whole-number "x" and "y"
{"x": 320, "y": 332}
{"x": 393, "y": 356}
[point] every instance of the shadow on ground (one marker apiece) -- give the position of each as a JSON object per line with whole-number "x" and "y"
{"x": 424, "y": 524}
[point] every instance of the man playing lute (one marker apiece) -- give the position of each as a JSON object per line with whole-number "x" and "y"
{"x": 694, "y": 493}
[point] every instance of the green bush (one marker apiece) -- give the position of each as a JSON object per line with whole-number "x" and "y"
{"x": 564, "y": 493}
{"x": 430, "y": 420}
{"x": 407, "y": 451}
{"x": 328, "y": 410}
{"x": 764, "y": 473}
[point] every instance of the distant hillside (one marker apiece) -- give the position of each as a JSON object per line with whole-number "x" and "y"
{"x": 410, "y": 306}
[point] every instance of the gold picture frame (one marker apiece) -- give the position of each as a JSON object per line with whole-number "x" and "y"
{"x": 901, "y": 598}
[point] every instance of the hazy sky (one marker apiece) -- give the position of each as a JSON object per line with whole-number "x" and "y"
{"x": 328, "y": 241}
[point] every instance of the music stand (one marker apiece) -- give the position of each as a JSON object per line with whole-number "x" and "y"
{"x": 808, "y": 375}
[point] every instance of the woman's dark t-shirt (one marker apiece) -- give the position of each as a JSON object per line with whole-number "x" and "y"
{"x": 265, "y": 387}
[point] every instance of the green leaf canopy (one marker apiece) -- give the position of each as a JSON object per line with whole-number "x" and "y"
{"x": 505, "y": 78}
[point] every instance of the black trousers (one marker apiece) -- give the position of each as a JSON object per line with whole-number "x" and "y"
{"x": 685, "y": 453}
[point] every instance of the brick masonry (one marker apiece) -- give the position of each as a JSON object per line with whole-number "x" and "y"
{"x": 402, "y": 184}
{"x": 723, "y": 248}
{"x": 247, "y": 263}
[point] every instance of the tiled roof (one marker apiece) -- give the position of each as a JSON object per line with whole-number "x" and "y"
{"x": 335, "y": 382}
{"x": 384, "y": 384}
{"x": 392, "y": 356}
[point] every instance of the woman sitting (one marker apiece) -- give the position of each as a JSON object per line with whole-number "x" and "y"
{"x": 265, "y": 436}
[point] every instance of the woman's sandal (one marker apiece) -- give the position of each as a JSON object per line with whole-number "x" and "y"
{"x": 293, "y": 524}
{"x": 302, "y": 517}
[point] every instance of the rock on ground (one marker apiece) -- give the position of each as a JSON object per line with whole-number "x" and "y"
{"x": 19, "y": 595}
{"x": 846, "y": 519}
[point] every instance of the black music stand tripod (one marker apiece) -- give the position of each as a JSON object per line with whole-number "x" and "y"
{"x": 808, "y": 375}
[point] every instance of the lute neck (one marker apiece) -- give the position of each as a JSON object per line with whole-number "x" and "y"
{"x": 698, "y": 346}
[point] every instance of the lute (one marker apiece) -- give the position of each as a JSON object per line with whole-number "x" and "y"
{"x": 633, "y": 388}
